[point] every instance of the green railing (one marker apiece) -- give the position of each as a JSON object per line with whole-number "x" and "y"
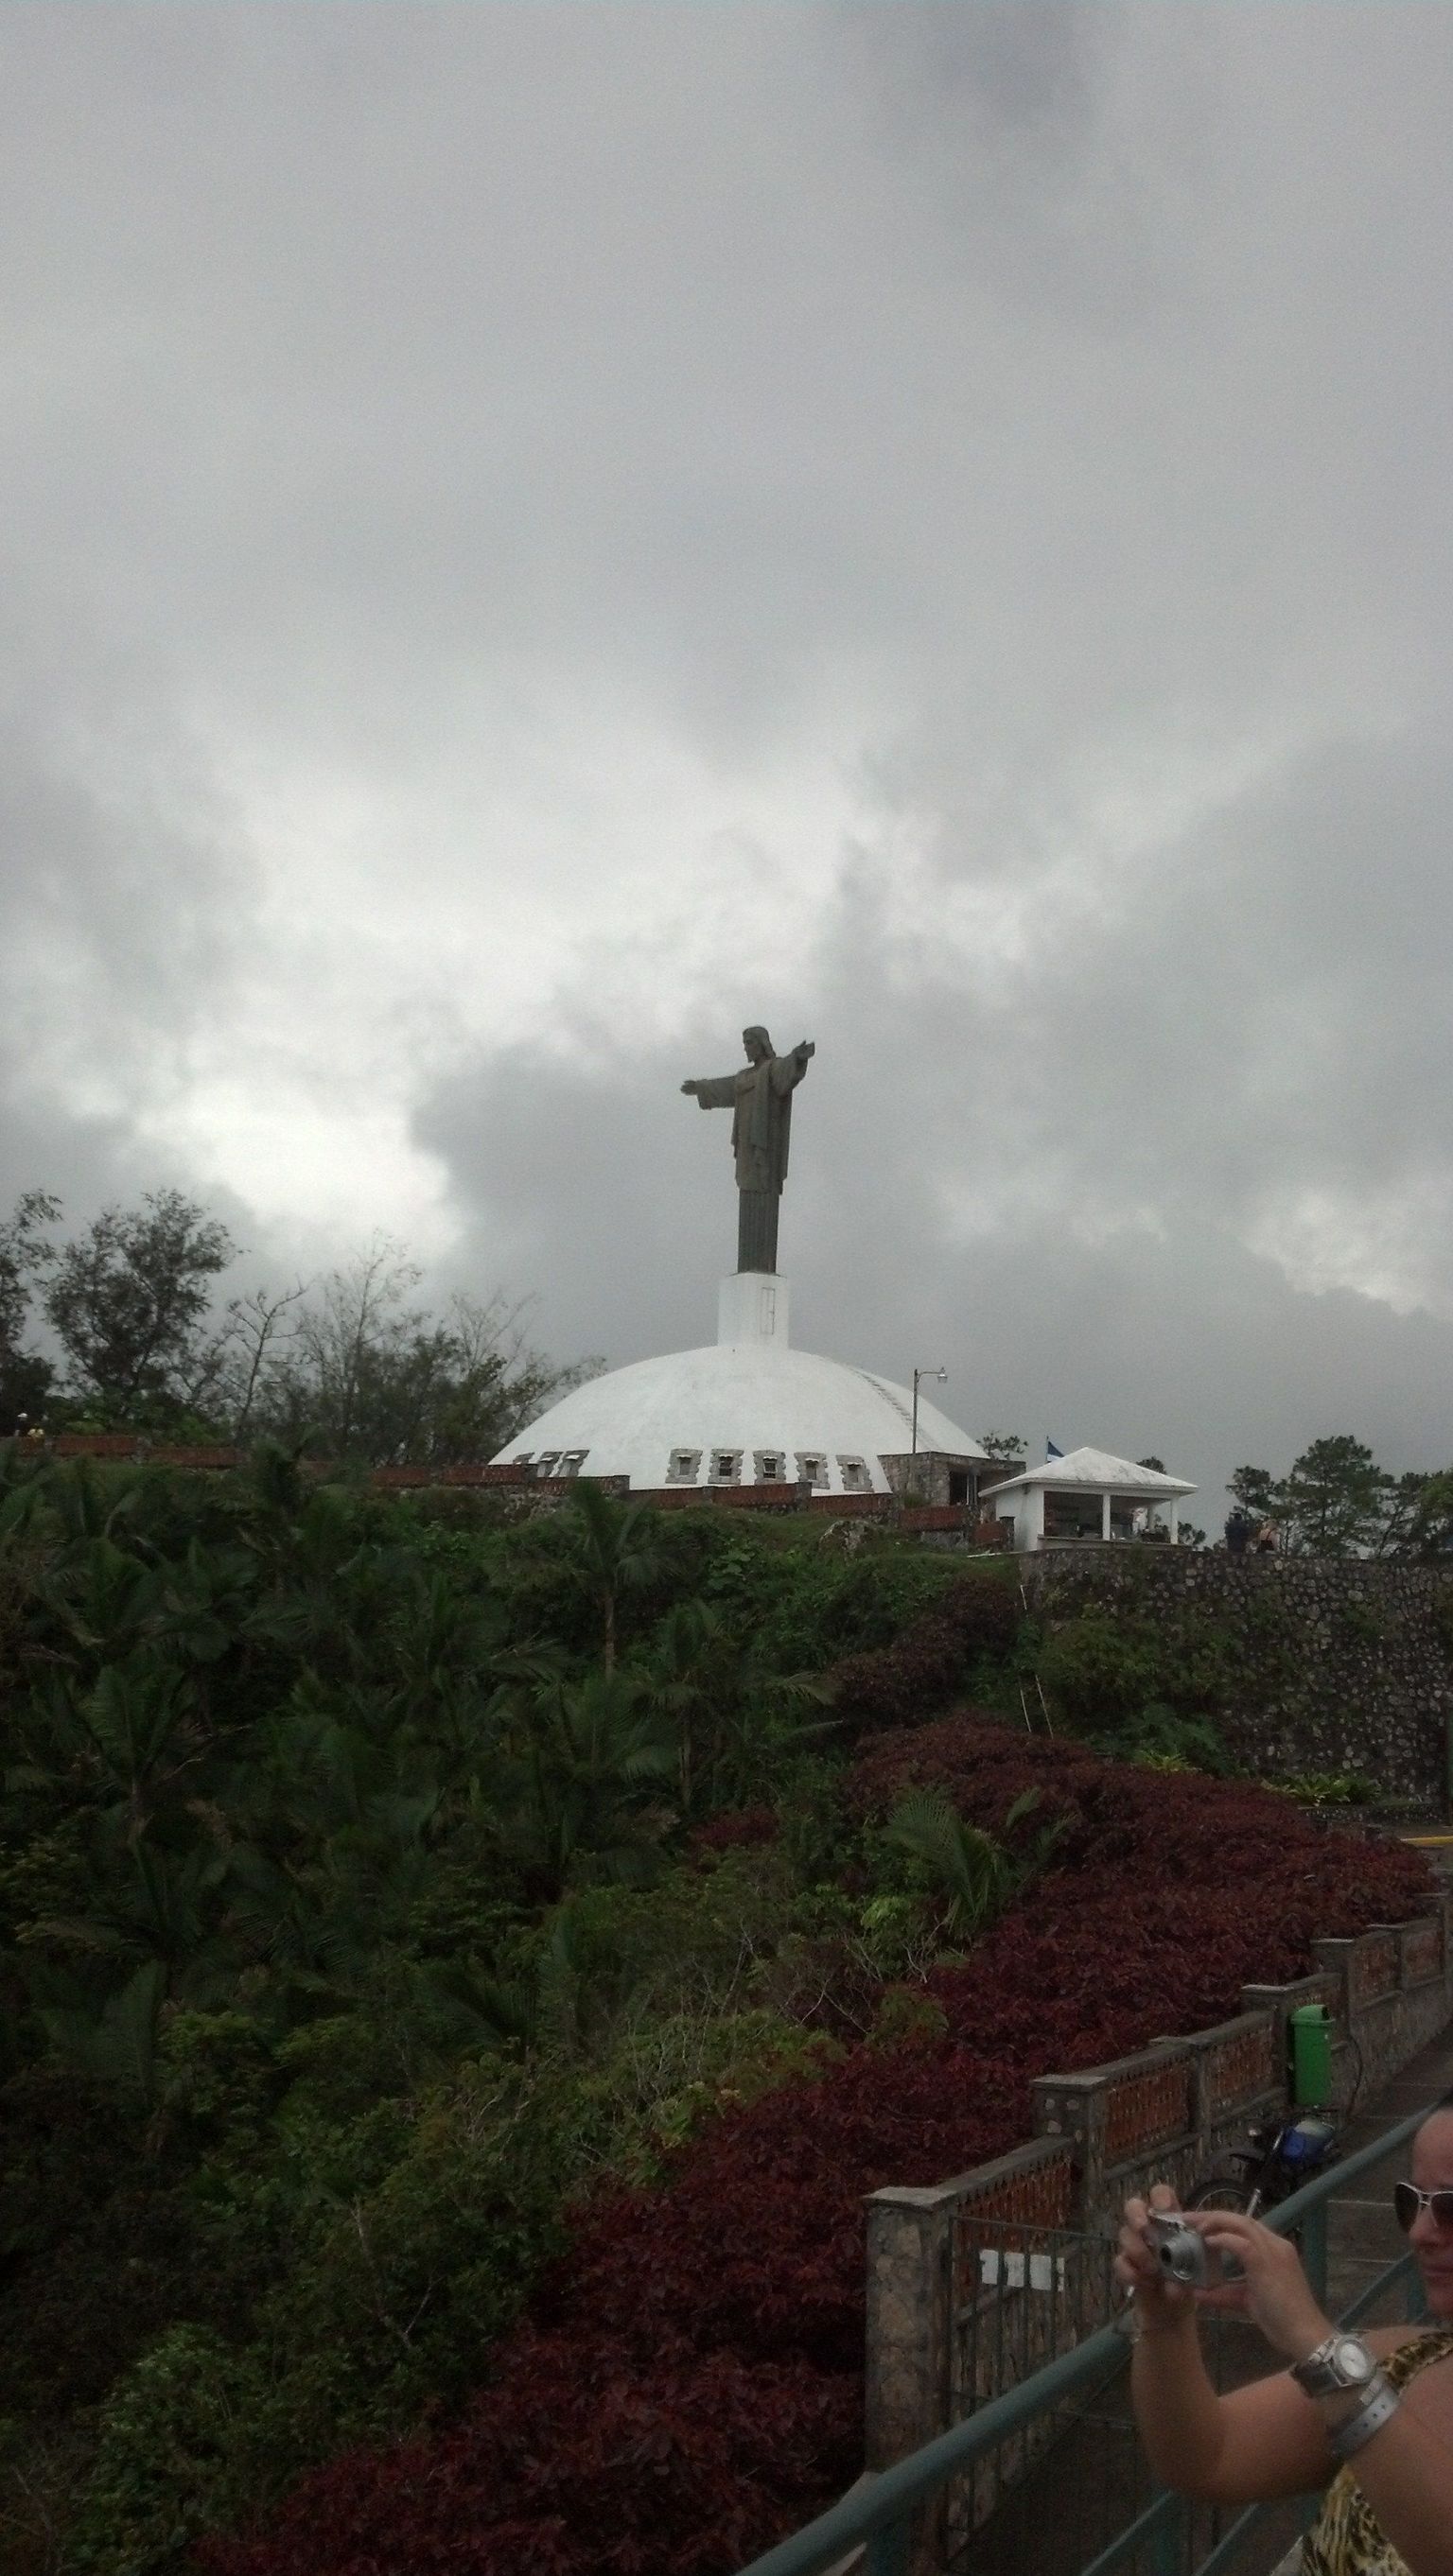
{"x": 878, "y": 2517}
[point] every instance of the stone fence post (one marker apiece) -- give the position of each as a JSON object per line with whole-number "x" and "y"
{"x": 910, "y": 2319}
{"x": 915, "y": 2291}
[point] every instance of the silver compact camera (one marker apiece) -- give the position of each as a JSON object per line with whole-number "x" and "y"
{"x": 1183, "y": 2254}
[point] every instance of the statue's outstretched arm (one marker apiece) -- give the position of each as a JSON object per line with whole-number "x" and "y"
{"x": 718, "y": 1091}
{"x": 788, "y": 1070}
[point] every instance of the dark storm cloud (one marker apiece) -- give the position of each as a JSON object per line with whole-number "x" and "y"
{"x": 534, "y": 536}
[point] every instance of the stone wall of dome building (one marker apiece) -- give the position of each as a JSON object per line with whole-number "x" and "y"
{"x": 1305, "y": 1664}
{"x": 935, "y": 1476}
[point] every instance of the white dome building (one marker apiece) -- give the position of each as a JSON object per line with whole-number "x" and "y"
{"x": 751, "y": 1411}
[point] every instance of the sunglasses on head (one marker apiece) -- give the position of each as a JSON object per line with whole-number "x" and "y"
{"x": 1407, "y": 2200}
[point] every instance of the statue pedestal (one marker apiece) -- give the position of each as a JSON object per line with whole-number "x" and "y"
{"x": 752, "y": 1309}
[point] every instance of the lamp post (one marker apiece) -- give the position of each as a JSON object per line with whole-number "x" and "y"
{"x": 918, "y": 1375}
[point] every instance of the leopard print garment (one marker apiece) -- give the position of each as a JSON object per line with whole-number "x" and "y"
{"x": 1345, "y": 2539}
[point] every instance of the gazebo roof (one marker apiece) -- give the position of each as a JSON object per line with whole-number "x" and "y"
{"x": 1102, "y": 1473}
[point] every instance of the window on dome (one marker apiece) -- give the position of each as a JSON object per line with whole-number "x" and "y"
{"x": 812, "y": 1467}
{"x": 855, "y": 1476}
{"x": 726, "y": 1466}
{"x": 771, "y": 1466}
{"x": 571, "y": 1462}
{"x": 684, "y": 1468}
{"x": 545, "y": 1463}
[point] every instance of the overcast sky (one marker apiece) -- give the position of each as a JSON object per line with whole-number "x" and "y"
{"x": 533, "y": 536}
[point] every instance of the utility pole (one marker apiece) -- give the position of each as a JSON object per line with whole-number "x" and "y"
{"x": 919, "y": 1375}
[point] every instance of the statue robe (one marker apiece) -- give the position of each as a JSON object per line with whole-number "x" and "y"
{"x": 760, "y": 1100}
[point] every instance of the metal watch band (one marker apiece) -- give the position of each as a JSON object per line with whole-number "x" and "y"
{"x": 1318, "y": 2374}
{"x": 1381, "y": 2401}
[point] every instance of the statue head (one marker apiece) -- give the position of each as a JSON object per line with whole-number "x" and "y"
{"x": 757, "y": 1044}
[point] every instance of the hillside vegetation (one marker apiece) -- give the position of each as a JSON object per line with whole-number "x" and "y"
{"x": 459, "y": 1980}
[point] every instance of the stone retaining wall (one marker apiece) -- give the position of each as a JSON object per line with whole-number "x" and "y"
{"x": 1322, "y": 1664}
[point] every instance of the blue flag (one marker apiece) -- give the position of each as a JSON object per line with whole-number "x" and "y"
{"x": 1052, "y": 1449}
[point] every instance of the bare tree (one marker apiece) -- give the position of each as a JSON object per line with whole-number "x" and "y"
{"x": 257, "y": 1327}
{"x": 377, "y": 1377}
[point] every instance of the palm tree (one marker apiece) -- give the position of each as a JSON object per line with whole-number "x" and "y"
{"x": 567, "y": 1796}
{"x": 968, "y": 1869}
{"x": 737, "y": 1720}
{"x": 127, "y": 1740}
{"x": 118, "y": 2044}
{"x": 616, "y": 1549}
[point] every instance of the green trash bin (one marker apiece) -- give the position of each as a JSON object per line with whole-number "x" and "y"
{"x": 1310, "y": 2036}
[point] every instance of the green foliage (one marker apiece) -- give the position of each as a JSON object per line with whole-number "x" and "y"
{"x": 1328, "y": 1788}
{"x": 1334, "y": 1500}
{"x": 907, "y": 2017}
{"x": 664, "y": 2075}
{"x": 1006, "y": 1448}
{"x": 390, "y": 2250}
{"x": 1428, "y": 1531}
{"x": 1101, "y": 1668}
{"x": 369, "y": 1886}
{"x": 369, "y": 1376}
{"x": 129, "y": 1301}
{"x": 172, "y": 2456}
{"x": 1337, "y": 1501}
{"x": 1123, "y": 1678}
{"x": 971, "y": 1876}
{"x": 807, "y": 1604}
{"x": 26, "y": 1377}
{"x": 1165, "y": 1741}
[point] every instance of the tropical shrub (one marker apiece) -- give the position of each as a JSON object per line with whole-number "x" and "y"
{"x": 899, "y": 1685}
{"x": 1328, "y": 1788}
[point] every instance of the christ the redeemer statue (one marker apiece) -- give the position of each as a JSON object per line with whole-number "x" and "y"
{"x": 760, "y": 1100}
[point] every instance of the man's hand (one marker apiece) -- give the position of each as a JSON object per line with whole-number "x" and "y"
{"x": 1274, "y": 2290}
{"x": 691, "y": 1086}
{"x": 808, "y": 1047}
{"x": 1159, "y": 2302}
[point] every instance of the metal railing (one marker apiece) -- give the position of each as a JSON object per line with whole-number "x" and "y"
{"x": 878, "y": 2518}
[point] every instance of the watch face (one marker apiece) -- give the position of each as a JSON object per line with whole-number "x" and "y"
{"x": 1353, "y": 2363}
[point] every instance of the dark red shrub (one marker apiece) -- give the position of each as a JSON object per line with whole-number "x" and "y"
{"x": 899, "y": 1684}
{"x": 692, "y": 2461}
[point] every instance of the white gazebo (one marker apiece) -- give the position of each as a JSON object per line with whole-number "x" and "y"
{"x": 1086, "y": 1495}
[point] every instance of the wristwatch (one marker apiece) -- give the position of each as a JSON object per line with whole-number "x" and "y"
{"x": 1338, "y": 2367}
